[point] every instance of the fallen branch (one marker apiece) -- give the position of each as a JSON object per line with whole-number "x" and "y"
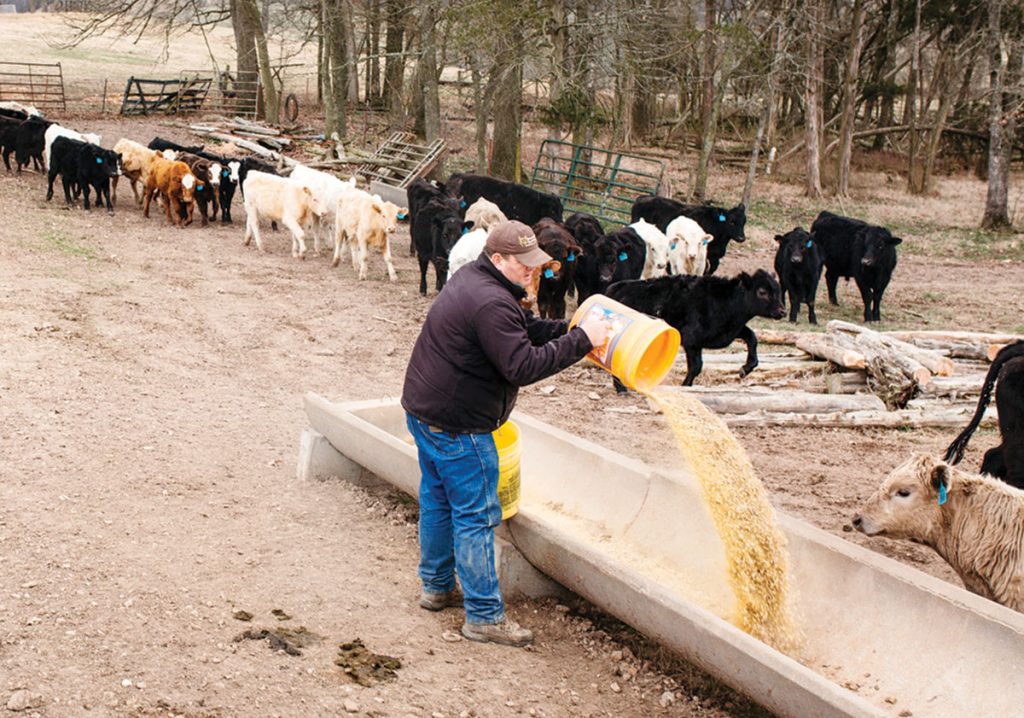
{"x": 835, "y": 348}
{"x": 732, "y": 401}
{"x": 851, "y": 419}
{"x": 933, "y": 361}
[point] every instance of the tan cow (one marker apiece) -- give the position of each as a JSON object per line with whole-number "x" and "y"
{"x": 175, "y": 183}
{"x": 365, "y": 221}
{"x": 279, "y": 199}
{"x": 484, "y": 214}
{"x": 136, "y": 160}
{"x": 978, "y": 530}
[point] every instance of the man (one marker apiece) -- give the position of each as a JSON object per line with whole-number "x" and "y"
{"x": 476, "y": 348}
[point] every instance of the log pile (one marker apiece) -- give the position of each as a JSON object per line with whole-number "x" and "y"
{"x": 852, "y": 376}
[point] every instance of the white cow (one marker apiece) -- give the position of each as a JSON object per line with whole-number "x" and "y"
{"x": 466, "y": 250}
{"x": 978, "y": 527}
{"x": 329, "y": 189}
{"x": 688, "y": 246}
{"x": 278, "y": 199}
{"x": 656, "y": 261}
{"x": 368, "y": 221}
{"x": 54, "y": 131}
{"x": 484, "y": 214}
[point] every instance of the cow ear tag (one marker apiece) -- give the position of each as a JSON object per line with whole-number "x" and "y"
{"x": 808, "y": 244}
{"x": 622, "y": 256}
{"x": 401, "y": 215}
{"x": 672, "y": 246}
{"x": 942, "y": 493}
{"x": 462, "y": 204}
{"x": 721, "y": 218}
{"x": 99, "y": 160}
{"x": 465, "y": 230}
{"x": 199, "y": 187}
{"x": 571, "y": 257}
{"x": 225, "y": 173}
{"x": 548, "y": 274}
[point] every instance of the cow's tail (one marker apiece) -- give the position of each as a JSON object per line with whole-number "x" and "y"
{"x": 955, "y": 452}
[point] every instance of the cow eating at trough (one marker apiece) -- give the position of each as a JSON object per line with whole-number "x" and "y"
{"x": 974, "y": 522}
{"x": 709, "y": 312}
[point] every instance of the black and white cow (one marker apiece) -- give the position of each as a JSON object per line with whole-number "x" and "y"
{"x": 724, "y": 225}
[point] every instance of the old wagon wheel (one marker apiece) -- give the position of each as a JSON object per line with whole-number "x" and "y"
{"x": 291, "y": 108}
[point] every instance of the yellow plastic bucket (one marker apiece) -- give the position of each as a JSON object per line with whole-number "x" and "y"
{"x": 506, "y": 440}
{"x": 640, "y": 350}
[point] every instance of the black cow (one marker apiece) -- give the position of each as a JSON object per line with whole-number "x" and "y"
{"x": 724, "y": 225}
{"x": 853, "y": 248}
{"x": 558, "y": 242}
{"x": 709, "y": 312}
{"x": 632, "y": 254}
{"x": 438, "y": 227}
{"x": 1005, "y": 461}
{"x": 82, "y": 165}
{"x": 584, "y": 227}
{"x": 599, "y": 263}
{"x": 517, "y": 201}
{"x": 29, "y": 142}
{"x": 798, "y": 265}
{"x": 160, "y": 144}
{"x": 8, "y": 138}
{"x": 417, "y": 194}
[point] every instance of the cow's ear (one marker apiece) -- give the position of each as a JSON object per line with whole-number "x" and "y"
{"x": 895, "y": 240}
{"x": 746, "y": 281}
{"x": 940, "y": 479}
{"x": 466, "y": 226}
{"x": 780, "y": 238}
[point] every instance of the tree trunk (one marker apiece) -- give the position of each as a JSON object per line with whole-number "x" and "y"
{"x": 373, "y": 17}
{"x": 247, "y": 61}
{"x": 249, "y": 15}
{"x": 428, "y": 72}
{"x": 710, "y": 99}
{"x": 336, "y": 94}
{"x": 915, "y": 184}
{"x": 812, "y": 95}
{"x": 849, "y": 110}
{"x": 887, "y": 111}
{"x": 1000, "y": 128}
{"x": 394, "y": 65}
{"x": 351, "y": 51}
{"x": 505, "y": 157}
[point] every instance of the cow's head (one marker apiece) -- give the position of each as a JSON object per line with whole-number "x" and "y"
{"x": 687, "y": 246}
{"x": 188, "y": 187}
{"x": 446, "y": 230}
{"x": 585, "y": 228}
{"x": 609, "y": 251}
{"x": 312, "y": 200}
{"x": 762, "y": 294}
{"x": 906, "y": 505}
{"x": 216, "y": 170}
{"x": 234, "y": 166}
{"x": 170, "y": 155}
{"x": 392, "y": 213}
{"x": 735, "y": 221}
{"x": 877, "y": 243}
{"x": 794, "y": 246}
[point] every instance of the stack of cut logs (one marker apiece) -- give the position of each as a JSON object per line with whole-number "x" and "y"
{"x": 867, "y": 378}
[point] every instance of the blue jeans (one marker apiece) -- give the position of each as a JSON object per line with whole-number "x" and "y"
{"x": 459, "y": 510}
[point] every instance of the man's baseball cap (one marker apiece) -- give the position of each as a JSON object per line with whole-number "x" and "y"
{"x": 515, "y": 238}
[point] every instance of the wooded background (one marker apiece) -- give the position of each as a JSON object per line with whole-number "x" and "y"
{"x": 935, "y": 83}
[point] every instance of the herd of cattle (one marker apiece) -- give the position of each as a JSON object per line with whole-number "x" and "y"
{"x": 663, "y": 263}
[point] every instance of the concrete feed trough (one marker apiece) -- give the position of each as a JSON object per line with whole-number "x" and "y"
{"x": 877, "y": 638}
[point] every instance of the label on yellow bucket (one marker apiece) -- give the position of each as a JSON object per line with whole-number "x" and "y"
{"x": 506, "y": 441}
{"x": 617, "y": 326}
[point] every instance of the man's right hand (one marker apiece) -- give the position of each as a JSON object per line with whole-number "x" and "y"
{"x": 596, "y": 327}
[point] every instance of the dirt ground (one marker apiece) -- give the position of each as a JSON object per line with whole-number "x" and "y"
{"x": 150, "y": 409}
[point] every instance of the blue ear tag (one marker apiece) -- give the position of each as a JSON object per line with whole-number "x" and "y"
{"x": 571, "y": 257}
{"x": 99, "y": 160}
{"x": 808, "y": 244}
{"x": 622, "y": 256}
{"x": 942, "y": 494}
{"x": 199, "y": 188}
{"x": 462, "y": 204}
{"x": 672, "y": 246}
{"x": 225, "y": 173}
{"x": 548, "y": 274}
{"x": 721, "y": 218}
{"x": 465, "y": 230}
{"x": 401, "y": 215}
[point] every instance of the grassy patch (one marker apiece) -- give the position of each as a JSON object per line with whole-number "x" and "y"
{"x": 62, "y": 243}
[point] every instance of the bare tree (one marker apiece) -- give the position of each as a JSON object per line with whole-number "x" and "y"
{"x": 850, "y": 94}
{"x": 1000, "y": 126}
{"x": 812, "y": 97}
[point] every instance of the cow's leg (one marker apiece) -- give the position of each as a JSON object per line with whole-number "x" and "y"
{"x": 106, "y": 196}
{"x": 252, "y": 227}
{"x": 298, "y": 237}
{"x": 387, "y": 260}
{"x": 67, "y": 189}
{"x": 187, "y": 209}
{"x": 355, "y": 243}
{"x": 424, "y": 263}
{"x": 712, "y": 265}
{"x": 339, "y": 243}
{"x": 866, "y": 296}
{"x": 363, "y": 269}
{"x": 748, "y": 337}
{"x": 85, "y": 195}
{"x": 831, "y": 280}
{"x": 148, "y": 194}
{"x": 694, "y": 363}
{"x": 794, "y": 304}
{"x": 620, "y": 388}
{"x": 441, "y": 272}
{"x": 811, "y": 316}
{"x": 50, "y": 177}
{"x": 172, "y": 207}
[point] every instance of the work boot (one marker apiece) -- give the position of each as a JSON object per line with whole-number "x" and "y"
{"x": 507, "y": 633}
{"x": 440, "y": 601}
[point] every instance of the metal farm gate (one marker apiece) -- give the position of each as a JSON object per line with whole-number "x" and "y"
{"x": 595, "y": 180}
{"x": 33, "y": 83}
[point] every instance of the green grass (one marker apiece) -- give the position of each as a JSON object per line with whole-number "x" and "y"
{"x": 60, "y": 242}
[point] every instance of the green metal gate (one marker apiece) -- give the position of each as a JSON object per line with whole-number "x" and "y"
{"x": 595, "y": 180}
